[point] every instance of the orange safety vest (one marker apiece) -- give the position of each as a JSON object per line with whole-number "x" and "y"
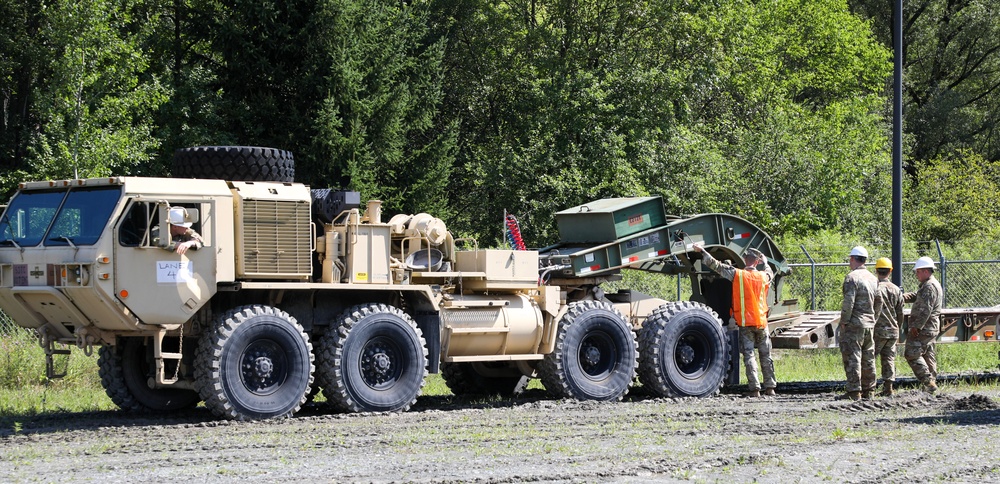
{"x": 750, "y": 299}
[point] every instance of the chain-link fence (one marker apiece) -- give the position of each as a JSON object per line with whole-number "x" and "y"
{"x": 9, "y": 329}
{"x": 966, "y": 283}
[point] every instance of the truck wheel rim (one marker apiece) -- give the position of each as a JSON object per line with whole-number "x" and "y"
{"x": 263, "y": 367}
{"x": 598, "y": 355}
{"x": 692, "y": 354}
{"x": 379, "y": 364}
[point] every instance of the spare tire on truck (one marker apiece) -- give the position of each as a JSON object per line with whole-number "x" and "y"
{"x": 237, "y": 163}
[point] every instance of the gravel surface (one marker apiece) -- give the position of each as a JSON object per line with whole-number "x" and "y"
{"x": 911, "y": 437}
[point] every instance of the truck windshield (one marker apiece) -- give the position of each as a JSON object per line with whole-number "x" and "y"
{"x": 74, "y": 217}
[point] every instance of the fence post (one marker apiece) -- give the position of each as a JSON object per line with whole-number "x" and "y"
{"x": 812, "y": 278}
{"x": 944, "y": 279}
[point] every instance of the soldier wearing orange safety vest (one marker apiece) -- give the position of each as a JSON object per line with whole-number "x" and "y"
{"x": 749, "y": 312}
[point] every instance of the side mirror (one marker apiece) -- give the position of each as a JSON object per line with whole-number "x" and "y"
{"x": 192, "y": 215}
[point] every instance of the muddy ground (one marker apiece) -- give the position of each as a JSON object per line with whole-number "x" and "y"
{"x": 948, "y": 437}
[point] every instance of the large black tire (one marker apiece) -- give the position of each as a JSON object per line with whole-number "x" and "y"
{"x": 480, "y": 378}
{"x": 256, "y": 363}
{"x": 125, "y": 370}
{"x": 372, "y": 359}
{"x": 323, "y": 206}
{"x": 237, "y": 163}
{"x": 683, "y": 351}
{"x": 595, "y": 354}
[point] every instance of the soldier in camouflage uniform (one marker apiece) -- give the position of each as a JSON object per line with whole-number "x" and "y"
{"x": 857, "y": 325}
{"x": 752, "y": 320}
{"x": 887, "y": 324}
{"x": 924, "y": 324}
{"x": 182, "y": 236}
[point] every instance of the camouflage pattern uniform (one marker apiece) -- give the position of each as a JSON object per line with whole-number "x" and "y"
{"x": 857, "y": 325}
{"x": 887, "y": 327}
{"x": 750, "y": 338}
{"x": 925, "y": 316}
{"x": 189, "y": 234}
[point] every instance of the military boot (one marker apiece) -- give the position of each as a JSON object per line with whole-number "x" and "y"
{"x": 752, "y": 394}
{"x": 866, "y": 395}
{"x": 886, "y": 388}
{"x": 769, "y": 392}
{"x": 930, "y": 386}
{"x": 854, "y": 395}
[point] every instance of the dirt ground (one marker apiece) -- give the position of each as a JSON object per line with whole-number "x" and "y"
{"x": 914, "y": 437}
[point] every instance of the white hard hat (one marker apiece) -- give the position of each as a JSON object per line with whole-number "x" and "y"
{"x": 178, "y": 216}
{"x": 924, "y": 263}
{"x": 859, "y": 252}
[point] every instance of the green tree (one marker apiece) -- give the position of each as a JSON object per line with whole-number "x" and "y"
{"x": 352, "y": 87}
{"x": 953, "y": 198}
{"x": 951, "y": 72}
{"x": 795, "y": 104}
{"x": 21, "y": 65}
{"x": 181, "y": 52}
{"x": 82, "y": 82}
{"x": 96, "y": 105}
{"x": 377, "y": 128}
{"x": 560, "y": 103}
{"x": 771, "y": 110}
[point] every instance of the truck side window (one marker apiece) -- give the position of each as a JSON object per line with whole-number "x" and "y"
{"x": 140, "y": 224}
{"x": 134, "y": 230}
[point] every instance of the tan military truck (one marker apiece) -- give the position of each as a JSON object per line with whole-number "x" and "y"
{"x": 297, "y": 290}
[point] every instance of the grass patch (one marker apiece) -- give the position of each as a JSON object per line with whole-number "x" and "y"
{"x": 826, "y": 364}
{"x": 24, "y": 390}
{"x": 434, "y": 385}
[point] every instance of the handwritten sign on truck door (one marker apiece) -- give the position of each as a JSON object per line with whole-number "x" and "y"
{"x": 174, "y": 272}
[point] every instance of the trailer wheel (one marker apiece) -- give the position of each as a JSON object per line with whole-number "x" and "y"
{"x": 683, "y": 351}
{"x": 256, "y": 363}
{"x": 479, "y": 378}
{"x": 125, "y": 371}
{"x": 595, "y": 354}
{"x": 239, "y": 163}
{"x": 373, "y": 359}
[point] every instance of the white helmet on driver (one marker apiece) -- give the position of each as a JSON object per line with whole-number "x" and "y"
{"x": 178, "y": 216}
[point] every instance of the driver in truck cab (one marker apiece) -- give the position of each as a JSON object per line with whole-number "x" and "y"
{"x": 184, "y": 238}
{"x": 749, "y": 310}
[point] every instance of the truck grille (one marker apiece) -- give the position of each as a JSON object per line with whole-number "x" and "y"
{"x": 276, "y": 240}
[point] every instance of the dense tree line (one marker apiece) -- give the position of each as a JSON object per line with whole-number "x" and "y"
{"x": 775, "y": 110}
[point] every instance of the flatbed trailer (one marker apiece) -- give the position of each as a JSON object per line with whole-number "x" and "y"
{"x": 818, "y": 329}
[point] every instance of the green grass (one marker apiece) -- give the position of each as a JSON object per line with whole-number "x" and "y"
{"x": 24, "y": 390}
{"x": 827, "y": 365}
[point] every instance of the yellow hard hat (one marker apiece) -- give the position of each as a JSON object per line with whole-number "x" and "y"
{"x": 883, "y": 263}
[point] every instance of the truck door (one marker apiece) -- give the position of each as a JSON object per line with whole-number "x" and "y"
{"x": 151, "y": 279}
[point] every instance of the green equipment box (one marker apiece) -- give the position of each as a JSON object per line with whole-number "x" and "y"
{"x": 609, "y": 219}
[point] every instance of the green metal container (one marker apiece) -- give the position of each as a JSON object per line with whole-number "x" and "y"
{"x": 609, "y": 219}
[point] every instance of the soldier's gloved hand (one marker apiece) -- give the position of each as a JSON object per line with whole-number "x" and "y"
{"x": 914, "y": 332}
